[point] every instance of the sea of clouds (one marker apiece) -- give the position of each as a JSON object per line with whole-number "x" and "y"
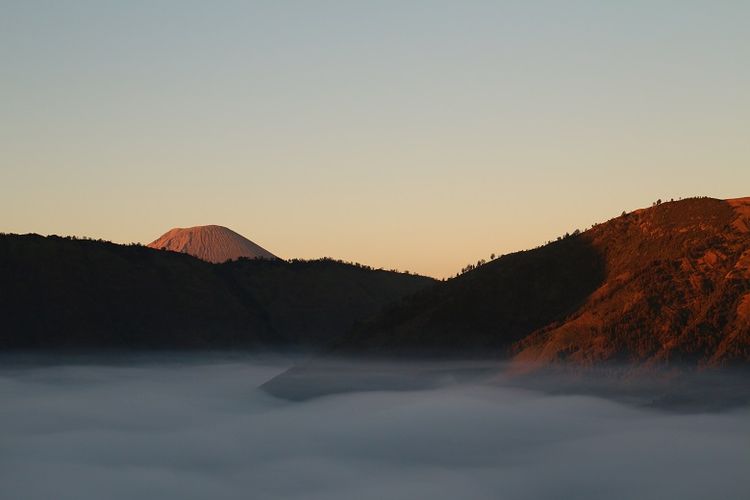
{"x": 201, "y": 428}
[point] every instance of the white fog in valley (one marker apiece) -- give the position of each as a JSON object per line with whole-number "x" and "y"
{"x": 201, "y": 427}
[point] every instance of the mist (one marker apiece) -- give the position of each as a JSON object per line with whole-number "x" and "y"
{"x": 200, "y": 427}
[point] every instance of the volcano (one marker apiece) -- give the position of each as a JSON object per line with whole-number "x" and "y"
{"x": 211, "y": 243}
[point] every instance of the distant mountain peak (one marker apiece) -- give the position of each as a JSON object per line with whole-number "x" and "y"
{"x": 211, "y": 243}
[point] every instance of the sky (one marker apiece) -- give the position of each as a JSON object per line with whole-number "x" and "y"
{"x": 402, "y": 134}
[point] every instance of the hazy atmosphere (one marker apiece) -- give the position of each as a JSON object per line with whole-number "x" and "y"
{"x": 344, "y": 249}
{"x": 406, "y": 135}
{"x": 198, "y": 427}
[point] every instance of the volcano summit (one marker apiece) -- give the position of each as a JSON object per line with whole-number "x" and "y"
{"x": 210, "y": 243}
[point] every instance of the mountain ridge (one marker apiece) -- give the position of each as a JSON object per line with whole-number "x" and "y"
{"x": 67, "y": 293}
{"x": 664, "y": 285}
{"x": 670, "y": 283}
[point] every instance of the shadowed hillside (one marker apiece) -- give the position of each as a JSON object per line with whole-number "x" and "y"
{"x": 483, "y": 311}
{"x": 312, "y": 302}
{"x": 68, "y": 293}
{"x": 665, "y": 284}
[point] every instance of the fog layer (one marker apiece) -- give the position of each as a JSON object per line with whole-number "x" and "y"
{"x": 201, "y": 428}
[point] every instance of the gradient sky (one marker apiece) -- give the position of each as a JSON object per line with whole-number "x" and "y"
{"x": 406, "y": 134}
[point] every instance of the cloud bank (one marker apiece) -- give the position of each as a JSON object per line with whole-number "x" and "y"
{"x": 201, "y": 429}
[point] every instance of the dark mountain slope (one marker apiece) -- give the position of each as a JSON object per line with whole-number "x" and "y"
{"x": 313, "y": 302}
{"x": 663, "y": 284}
{"x": 483, "y": 311}
{"x": 67, "y": 293}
